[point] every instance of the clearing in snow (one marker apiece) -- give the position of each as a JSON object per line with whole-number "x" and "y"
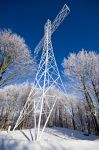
{"x": 52, "y": 139}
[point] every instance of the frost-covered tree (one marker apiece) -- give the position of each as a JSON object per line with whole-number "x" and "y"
{"x": 12, "y": 100}
{"x": 15, "y": 57}
{"x": 69, "y": 111}
{"x": 82, "y": 70}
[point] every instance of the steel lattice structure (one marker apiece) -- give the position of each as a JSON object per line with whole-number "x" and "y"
{"x": 40, "y": 100}
{"x": 56, "y": 23}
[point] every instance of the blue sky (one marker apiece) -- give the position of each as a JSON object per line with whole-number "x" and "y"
{"x": 79, "y": 30}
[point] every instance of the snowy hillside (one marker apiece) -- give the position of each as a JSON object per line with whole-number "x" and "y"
{"x": 53, "y": 139}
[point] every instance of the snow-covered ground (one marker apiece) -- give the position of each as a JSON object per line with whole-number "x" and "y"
{"x": 53, "y": 139}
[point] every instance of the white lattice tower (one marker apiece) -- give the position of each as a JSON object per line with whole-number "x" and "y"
{"x": 47, "y": 78}
{"x": 41, "y": 101}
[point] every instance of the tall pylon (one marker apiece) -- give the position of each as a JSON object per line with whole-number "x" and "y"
{"x": 47, "y": 78}
{"x": 40, "y": 100}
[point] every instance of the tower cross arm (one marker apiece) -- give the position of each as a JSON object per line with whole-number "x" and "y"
{"x": 60, "y": 18}
{"x": 56, "y": 23}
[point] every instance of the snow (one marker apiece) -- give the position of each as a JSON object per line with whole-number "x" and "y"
{"x": 53, "y": 139}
